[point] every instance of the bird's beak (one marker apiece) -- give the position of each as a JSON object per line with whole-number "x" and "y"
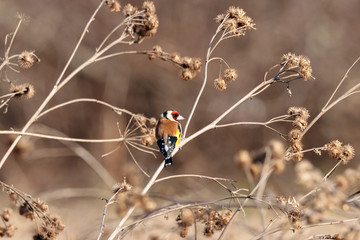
{"x": 180, "y": 117}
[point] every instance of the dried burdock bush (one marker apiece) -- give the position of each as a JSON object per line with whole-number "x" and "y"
{"x": 292, "y": 209}
{"x": 132, "y": 197}
{"x": 49, "y": 226}
{"x": 8, "y": 230}
{"x": 27, "y": 59}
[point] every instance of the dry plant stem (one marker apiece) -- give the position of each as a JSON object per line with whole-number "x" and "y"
{"x": 131, "y": 210}
{"x": 68, "y": 139}
{"x": 268, "y": 233}
{"x": 61, "y": 83}
{"x": 12, "y": 39}
{"x": 85, "y": 155}
{"x": 84, "y": 100}
{"x": 263, "y": 179}
{"x": 328, "y": 106}
{"x": 108, "y": 202}
{"x": 205, "y": 79}
{"x": 323, "y": 180}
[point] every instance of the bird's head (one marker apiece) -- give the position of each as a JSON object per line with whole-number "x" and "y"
{"x": 172, "y": 115}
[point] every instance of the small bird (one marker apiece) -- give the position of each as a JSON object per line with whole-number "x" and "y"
{"x": 168, "y": 134}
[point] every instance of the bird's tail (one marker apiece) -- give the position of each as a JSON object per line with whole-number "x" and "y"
{"x": 168, "y": 161}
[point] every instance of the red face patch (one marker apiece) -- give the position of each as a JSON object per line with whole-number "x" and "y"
{"x": 175, "y": 115}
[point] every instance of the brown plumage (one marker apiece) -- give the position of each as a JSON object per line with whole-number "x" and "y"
{"x": 168, "y": 134}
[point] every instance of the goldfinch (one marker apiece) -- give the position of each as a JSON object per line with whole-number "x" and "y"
{"x": 168, "y": 134}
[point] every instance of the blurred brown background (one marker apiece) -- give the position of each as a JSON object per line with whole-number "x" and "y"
{"x": 325, "y": 31}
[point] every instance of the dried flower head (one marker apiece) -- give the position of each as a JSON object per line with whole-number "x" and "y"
{"x": 25, "y": 90}
{"x": 147, "y": 140}
{"x": 230, "y": 74}
{"x": 278, "y": 149}
{"x": 187, "y": 74}
{"x": 27, "y": 59}
{"x": 298, "y": 63}
{"x": 220, "y": 84}
{"x": 243, "y": 159}
{"x": 6, "y": 214}
{"x": 295, "y": 135}
{"x": 185, "y": 218}
{"x": 121, "y": 187}
{"x": 347, "y": 153}
{"x": 152, "y": 122}
{"x": 129, "y": 10}
{"x": 113, "y": 5}
{"x": 300, "y": 112}
{"x": 235, "y": 22}
{"x": 149, "y": 7}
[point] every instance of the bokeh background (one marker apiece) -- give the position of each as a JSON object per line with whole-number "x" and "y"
{"x": 323, "y": 30}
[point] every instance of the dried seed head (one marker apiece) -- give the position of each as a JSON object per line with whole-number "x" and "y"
{"x": 295, "y": 135}
{"x": 27, "y": 211}
{"x": 219, "y": 18}
{"x": 187, "y": 74}
{"x": 186, "y": 217}
{"x": 255, "y": 170}
{"x": 27, "y": 58}
{"x": 121, "y": 187}
{"x": 297, "y": 156}
{"x": 113, "y": 5}
{"x": 347, "y": 153}
{"x": 235, "y": 22}
{"x": 300, "y": 123}
{"x": 147, "y": 140}
{"x": 157, "y": 49}
{"x": 298, "y": 63}
{"x": 25, "y": 90}
{"x": 230, "y": 74}
{"x": 220, "y": 84}
{"x": 6, "y": 214}
{"x": 195, "y": 64}
{"x": 334, "y": 149}
{"x": 152, "y": 121}
{"x": 129, "y": 10}
{"x": 278, "y": 149}
{"x": 140, "y": 119}
{"x": 184, "y": 232}
{"x": 243, "y": 159}
{"x": 149, "y": 7}
{"x": 147, "y": 204}
{"x": 300, "y": 112}
{"x": 342, "y": 182}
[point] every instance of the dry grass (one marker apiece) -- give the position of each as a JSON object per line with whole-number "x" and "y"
{"x": 192, "y": 199}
